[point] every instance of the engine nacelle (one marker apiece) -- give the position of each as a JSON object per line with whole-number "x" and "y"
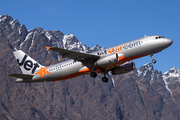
{"x": 106, "y": 60}
{"x": 127, "y": 67}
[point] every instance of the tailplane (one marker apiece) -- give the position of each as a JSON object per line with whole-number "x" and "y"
{"x": 22, "y": 78}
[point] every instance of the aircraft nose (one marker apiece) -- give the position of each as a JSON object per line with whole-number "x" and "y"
{"x": 169, "y": 42}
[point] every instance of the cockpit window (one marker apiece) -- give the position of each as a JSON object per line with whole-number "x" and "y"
{"x": 159, "y": 37}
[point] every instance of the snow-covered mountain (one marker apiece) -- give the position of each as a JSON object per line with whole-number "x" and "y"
{"x": 56, "y": 38}
{"x": 147, "y": 72}
{"x": 170, "y": 79}
{"x": 144, "y": 93}
{"x": 173, "y": 73}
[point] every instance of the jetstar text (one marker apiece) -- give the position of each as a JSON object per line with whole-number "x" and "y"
{"x": 120, "y": 48}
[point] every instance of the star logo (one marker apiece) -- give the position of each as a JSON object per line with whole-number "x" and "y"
{"x": 42, "y": 72}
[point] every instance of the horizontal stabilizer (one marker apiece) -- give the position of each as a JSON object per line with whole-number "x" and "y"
{"x": 22, "y": 76}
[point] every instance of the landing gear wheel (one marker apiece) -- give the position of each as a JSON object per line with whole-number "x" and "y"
{"x": 153, "y": 60}
{"x": 93, "y": 74}
{"x": 105, "y": 79}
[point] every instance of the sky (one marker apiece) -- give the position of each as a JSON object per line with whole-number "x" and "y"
{"x": 105, "y": 22}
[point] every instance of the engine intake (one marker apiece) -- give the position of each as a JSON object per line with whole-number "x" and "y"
{"x": 106, "y": 60}
{"x": 127, "y": 67}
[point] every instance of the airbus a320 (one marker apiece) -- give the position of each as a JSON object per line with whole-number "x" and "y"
{"x": 116, "y": 60}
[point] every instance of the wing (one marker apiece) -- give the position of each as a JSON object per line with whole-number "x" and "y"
{"x": 85, "y": 58}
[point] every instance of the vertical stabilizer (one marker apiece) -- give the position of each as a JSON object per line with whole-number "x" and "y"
{"x": 26, "y": 63}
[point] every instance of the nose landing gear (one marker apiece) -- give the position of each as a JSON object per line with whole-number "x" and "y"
{"x": 153, "y": 60}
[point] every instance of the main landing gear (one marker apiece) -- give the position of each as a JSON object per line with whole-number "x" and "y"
{"x": 94, "y": 75}
{"x": 105, "y": 79}
{"x": 153, "y": 60}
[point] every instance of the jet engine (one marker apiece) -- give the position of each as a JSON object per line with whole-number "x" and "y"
{"x": 127, "y": 67}
{"x": 106, "y": 60}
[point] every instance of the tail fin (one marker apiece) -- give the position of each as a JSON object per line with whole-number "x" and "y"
{"x": 26, "y": 63}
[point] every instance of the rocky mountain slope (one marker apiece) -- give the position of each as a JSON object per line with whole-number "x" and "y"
{"x": 143, "y": 94}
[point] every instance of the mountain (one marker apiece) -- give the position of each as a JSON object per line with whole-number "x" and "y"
{"x": 172, "y": 81}
{"x": 143, "y": 94}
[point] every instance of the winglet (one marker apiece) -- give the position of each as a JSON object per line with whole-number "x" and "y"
{"x": 47, "y": 48}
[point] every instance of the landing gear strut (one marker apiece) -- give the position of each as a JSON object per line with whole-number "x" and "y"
{"x": 93, "y": 74}
{"x": 152, "y": 57}
{"x": 105, "y": 79}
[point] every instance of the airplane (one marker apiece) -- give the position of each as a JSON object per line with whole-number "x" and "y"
{"x": 116, "y": 60}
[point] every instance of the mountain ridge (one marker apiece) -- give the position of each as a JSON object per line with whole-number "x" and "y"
{"x": 51, "y": 35}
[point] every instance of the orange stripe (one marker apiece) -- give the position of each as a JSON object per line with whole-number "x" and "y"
{"x": 82, "y": 72}
{"x": 121, "y": 58}
{"x": 85, "y": 70}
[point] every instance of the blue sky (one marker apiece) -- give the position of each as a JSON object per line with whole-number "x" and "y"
{"x": 105, "y": 22}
